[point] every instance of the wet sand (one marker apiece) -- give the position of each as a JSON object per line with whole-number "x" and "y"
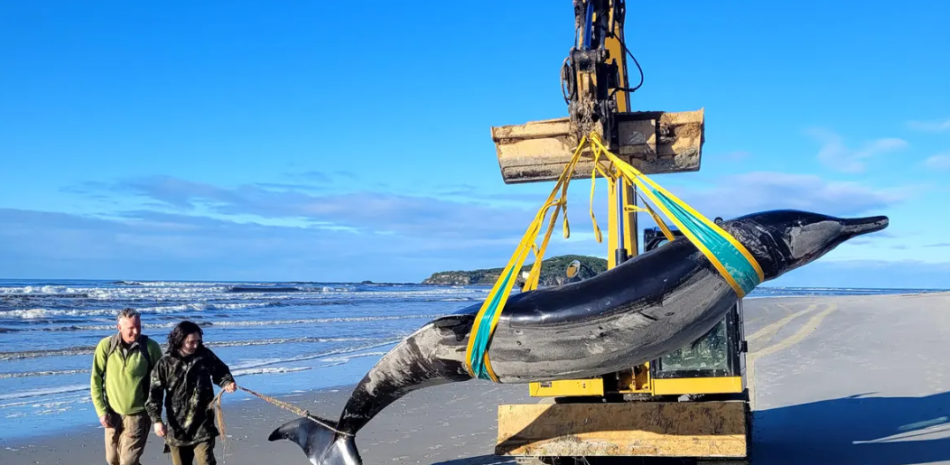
{"x": 838, "y": 380}
{"x": 853, "y": 380}
{"x": 441, "y": 424}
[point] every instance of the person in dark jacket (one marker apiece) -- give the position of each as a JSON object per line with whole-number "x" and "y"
{"x": 183, "y": 378}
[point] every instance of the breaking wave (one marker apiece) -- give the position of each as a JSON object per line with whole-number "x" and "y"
{"x": 264, "y": 289}
{"x": 231, "y": 323}
{"x": 283, "y": 333}
{"x": 88, "y": 350}
{"x": 25, "y": 374}
{"x": 39, "y": 313}
{"x": 268, "y": 371}
{"x": 44, "y": 391}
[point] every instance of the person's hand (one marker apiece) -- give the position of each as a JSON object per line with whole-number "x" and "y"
{"x": 231, "y": 387}
{"x": 104, "y": 420}
{"x": 159, "y": 428}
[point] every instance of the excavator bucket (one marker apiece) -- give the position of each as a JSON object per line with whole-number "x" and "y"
{"x": 653, "y": 142}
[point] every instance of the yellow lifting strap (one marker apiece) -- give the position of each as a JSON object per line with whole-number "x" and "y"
{"x": 737, "y": 266}
{"x": 487, "y": 318}
{"x": 730, "y": 258}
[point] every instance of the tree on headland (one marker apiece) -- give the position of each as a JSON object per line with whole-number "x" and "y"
{"x": 553, "y": 272}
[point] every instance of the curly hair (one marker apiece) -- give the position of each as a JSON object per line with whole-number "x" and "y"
{"x": 176, "y": 338}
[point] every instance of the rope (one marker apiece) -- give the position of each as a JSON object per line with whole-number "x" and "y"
{"x": 216, "y": 403}
{"x": 219, "y": 420}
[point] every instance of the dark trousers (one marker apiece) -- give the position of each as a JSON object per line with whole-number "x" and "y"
{"x": 203, "y": 452}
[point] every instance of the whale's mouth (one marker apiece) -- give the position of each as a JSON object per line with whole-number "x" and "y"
{"x": 858, "y": 226}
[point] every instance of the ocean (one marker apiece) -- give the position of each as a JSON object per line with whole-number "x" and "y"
{"x": 276, "y": 337}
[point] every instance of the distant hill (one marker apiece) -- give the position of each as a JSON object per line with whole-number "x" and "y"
{"x": 552, "y": 272}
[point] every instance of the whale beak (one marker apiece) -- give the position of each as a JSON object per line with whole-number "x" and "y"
{"x": 858, "y": 226}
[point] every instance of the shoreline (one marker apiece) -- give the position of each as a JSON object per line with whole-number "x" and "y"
{"x": 463, "y": 427}
{"x": 90, "y": 420}
{"x": 820, "y": 368}
{"x": 228, "y": 400}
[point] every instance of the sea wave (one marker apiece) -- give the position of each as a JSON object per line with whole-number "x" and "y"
{"x": 222, "y": 323}
{"x": 24, "y": 374}
{"x": 347, "y": 358}
{"x": 40, "y": 313}
{"x": 335, "y": 357}
{"x": 288, "y": 340}
{"x": 44, "y": 391}
{"x": 342, "y": 319}
{"x": 75, "y": 295}
{"x": 300, "y": 358}
{"x": 49, "y": 289}
{"x": 87, "y": 350}
{"x": 103, "y": 302}
{"x": 294, "y": 329}
{"x": 47, "y": 405}
{"x": 248, "y": 289}
{"x": 268, "y": 371}
{"x": 235, "y": 372}
{"x": 219, "y": 290}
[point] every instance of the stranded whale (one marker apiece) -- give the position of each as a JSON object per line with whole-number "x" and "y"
{"x": 638, "y": 311}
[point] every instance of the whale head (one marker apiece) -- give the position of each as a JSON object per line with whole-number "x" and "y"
{"x": 783, "y": 240}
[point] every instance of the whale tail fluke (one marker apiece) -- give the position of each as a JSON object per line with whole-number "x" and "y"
{"x": 321, "y": 444}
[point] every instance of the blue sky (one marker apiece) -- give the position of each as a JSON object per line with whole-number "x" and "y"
{"x": 290, "y": 141}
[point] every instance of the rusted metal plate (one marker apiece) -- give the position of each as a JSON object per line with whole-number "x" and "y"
{"x": 653, "y": 142}
{"x": 657, "y": 429}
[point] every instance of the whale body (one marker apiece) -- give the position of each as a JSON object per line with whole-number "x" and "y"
{"x": 638, "y": 311}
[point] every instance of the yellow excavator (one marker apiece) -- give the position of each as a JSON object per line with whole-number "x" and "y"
{"x": 692, "y": 404}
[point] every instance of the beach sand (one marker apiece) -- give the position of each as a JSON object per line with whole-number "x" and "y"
{"x": 838, "y": 380}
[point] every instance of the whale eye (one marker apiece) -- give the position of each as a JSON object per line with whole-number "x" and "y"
{"x": 670, "y": 314}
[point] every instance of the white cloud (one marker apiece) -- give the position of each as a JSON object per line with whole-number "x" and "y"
{"x": 757, "y": 191}
{"x": 930, "y": 126}
{"x": 192, "y": 247}
{"x": 835, "y": 154}
{"x": 939, "y": 162}
{"x": 738, "y": 155}
{"x": 903, "y": 274}
{"x": 266, "y": 232}
{"x": 357, "y": 211}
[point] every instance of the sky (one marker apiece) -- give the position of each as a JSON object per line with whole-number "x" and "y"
{"x": 288, "y": 141}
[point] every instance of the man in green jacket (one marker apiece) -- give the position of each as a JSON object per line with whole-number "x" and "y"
{"x": 121, "y": 370}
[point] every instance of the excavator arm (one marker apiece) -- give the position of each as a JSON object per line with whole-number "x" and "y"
{"x": 593, "y": 78}
{"x": 589, "y": 417}
{"x": 594, "y": 83}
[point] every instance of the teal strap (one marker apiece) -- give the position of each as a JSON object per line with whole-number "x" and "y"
{"x": 735, "y": 263}
{"x": 482, "y": 332}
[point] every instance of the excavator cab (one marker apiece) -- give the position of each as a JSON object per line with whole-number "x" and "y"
{"x": 714, "y": 364}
